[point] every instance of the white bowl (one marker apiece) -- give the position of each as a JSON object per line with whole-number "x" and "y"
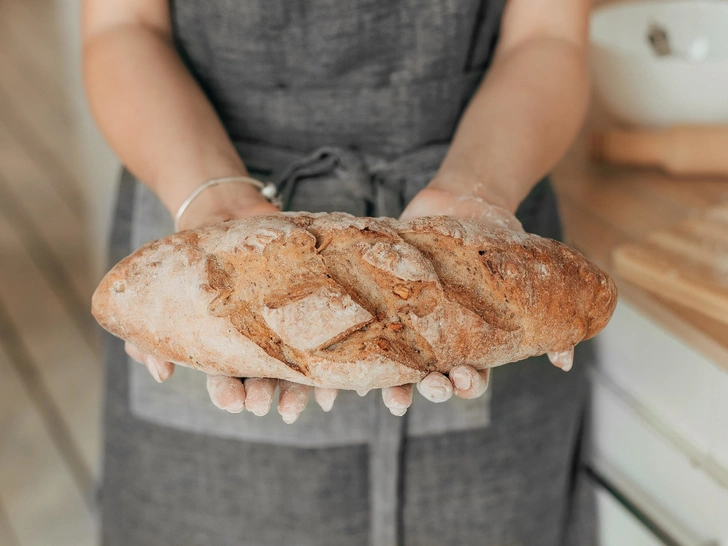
{"x": 637, "y": 86}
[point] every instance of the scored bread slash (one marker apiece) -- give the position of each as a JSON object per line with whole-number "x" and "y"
{"x": 337, "y": 301}
{"x": 336, "y": 315}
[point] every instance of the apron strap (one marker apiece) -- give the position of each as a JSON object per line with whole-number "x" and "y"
{"x": 385, "y": 477}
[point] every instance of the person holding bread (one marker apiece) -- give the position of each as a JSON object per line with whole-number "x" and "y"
{"x": 227, "y": 109}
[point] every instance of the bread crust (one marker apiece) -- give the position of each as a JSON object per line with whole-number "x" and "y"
{"x": 344, "y": 302}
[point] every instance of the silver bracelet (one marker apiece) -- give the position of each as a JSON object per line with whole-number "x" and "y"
{"x": 267, "y": 190}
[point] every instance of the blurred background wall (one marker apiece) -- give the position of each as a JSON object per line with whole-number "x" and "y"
{"x": 98, "y": 166}
{"x": 56, "y": 192}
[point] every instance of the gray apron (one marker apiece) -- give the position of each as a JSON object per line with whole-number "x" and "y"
{"x": 325, "y": 99}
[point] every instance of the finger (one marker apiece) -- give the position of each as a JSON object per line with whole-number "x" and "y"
{"x": 134, "y": 352}
{"x": 508, "y": 221}
{"x": 325, "y": 397}
{"x": 158, "y": 369}
{"x": 292, "y": 400}
{"x": 435, "y": 387}
{"x": 492, "y": 214}
{"x": 227, "y": 393}
{"x": 423, "y": 205}
{"x": 562, "y": 359}
{"x": 468, "y": 382}
{"x": 259, "y": 393}
{"x": 398, "y": 399}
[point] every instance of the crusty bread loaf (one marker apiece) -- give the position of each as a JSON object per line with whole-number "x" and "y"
{"x": 338, "y": 301}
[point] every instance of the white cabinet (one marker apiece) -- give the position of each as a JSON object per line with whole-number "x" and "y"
{"x": 660, "y": 422}
{"x": 719, "y": 438}
{"x": 676, "y": 383}
{"x": 618, "y": 526}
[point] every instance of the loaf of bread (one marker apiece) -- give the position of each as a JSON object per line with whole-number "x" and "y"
{"x": 338, "y": 301}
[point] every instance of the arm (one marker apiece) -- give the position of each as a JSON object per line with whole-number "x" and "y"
{"x": 151, "y": 110}
{"x": 163, "y": 128}
{"x": 520, "y": 122}
{"x": 529, "y": 107}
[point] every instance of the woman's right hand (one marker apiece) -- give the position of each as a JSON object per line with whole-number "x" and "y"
{"x": 164, "y": 129}
{"x": 217, "y": 204}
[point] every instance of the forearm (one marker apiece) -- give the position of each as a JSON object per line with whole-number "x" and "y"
{"x": 519, "y": 123}
{"x": 153, "y": 114}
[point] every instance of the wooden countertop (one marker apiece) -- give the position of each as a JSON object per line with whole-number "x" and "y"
{"x": 603, "y": 206}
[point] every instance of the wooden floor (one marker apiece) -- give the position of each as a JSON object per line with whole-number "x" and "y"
{"x": 50, "y": 363}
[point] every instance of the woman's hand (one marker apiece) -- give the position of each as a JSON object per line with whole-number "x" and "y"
{"x": 463, "y": 381}
{"x": 219, "y": 204}
{"x": 233, "y": 201}
{"x": 164, "y": 129}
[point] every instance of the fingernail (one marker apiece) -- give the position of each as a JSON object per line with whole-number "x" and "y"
{"x": 289, "y": 418}
{"x": 562, "y": 359}
{"x": 362, "y": 392}
{"x": 154, "y": 368}
{"x": 437, "y": 393}
{"x": 461, "y": 380}
{"x": 325, "y": 398}
{"x": 160, "y": 370}
{"x": 399, "y": 412}
{"x": 259, "y": 412}
{"x": 165, "y": 371}
{"x": 237, "y": 408}
{"x": 258, "y": 409}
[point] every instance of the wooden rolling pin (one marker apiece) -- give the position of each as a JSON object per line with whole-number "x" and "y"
{"x": 680, "y": 151}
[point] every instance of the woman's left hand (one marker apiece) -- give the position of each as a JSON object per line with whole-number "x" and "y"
{"x": 463, "y": 381}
